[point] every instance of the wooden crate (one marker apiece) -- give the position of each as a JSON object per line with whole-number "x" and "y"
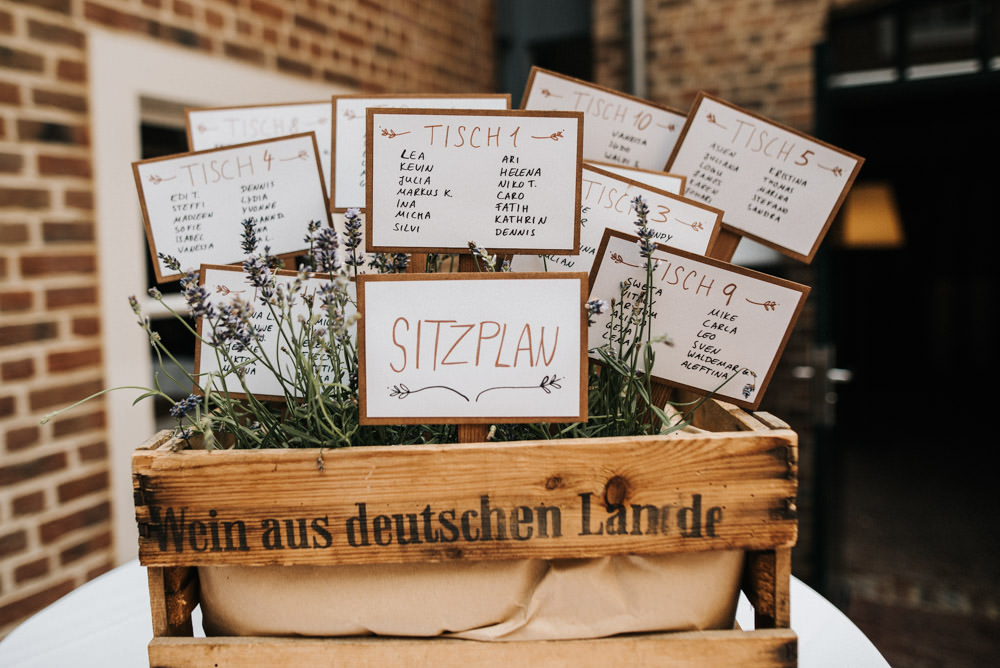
{"x": 207, "y": 508}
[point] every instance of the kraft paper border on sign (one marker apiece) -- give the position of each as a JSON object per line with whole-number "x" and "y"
{"x": 320, "y": 141}
{"x": 461, "y": 236}
{"x": 394, "y": 99}
{"x": 637, "y": 174}
{"x": 679, "y": 119}
{"x": 762, "y": 380}
{"x": 582, "y": 372}
{"x": 199, "y": 328}
{"x": 730, "y": 222}
{"x": 235, "y": 239}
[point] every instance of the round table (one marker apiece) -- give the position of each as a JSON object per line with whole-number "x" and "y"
{"x": 106, "y": 623}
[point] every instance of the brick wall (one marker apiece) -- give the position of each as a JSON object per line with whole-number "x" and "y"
{"x": 54, "y": 499}
{"x": 755, "y": 54}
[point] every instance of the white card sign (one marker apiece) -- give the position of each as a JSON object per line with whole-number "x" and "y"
{"x": 507, "y": 180}
{"x": 607, "y": 204}
{"x": 728, "y": 324}
{"x": 348, "y": 142}
{"x": 226, "y": 284}
{"x": 214, "y": 127}
{"x": 193, "y": 204}
{"x": 472, "y": 348}
{"x": 776, "y": 185}
{"x": 672, "y": 183}
{"x": 618, "y": 128}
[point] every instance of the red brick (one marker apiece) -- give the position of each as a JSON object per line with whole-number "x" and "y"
{"x": 60, "y": 6}
{"x": 214, "y": 19}
{"x": 246, "y": 53}
{"x": 26, "y": 198}
{"x": 50, "y": 132}
{"x": 69, "y": 297}
{"x": 13, "y": 542}
{"x": 13, "y": 233}
{"x": 17, "y": 369}
{"x": 267, "y": 9}
{"x": 10, "y": 163}
{"x": 7, "y": 406}
{"x": 114, "y": 19}
{"x": 29, "y": 504}
{"x": 15, "y": 301}
{"x": 81, "y": 519}
{"x": 93, "y": 451}
{"x": 71, "y": 70}
{"x": 45, "y": 265}
{"x": 16, "y": 59}
{"x": 74, "y": 489}
{"x": 183, "y": 9}
{"x": 68, "y": 232}
{"x": 55, "y": 165}
{"x": 294, "y": 67}
{"x": 73, "y": 425}
{"x": 32, "y": 468}
{"x": 86, "y": 326}
{"x": 10, "y": 93}
{"x": 11, "y": 335}
{"x": 20, "y": 438}
{"x": 101, "y": 541}
{"x": 69, "y": 360}
{"x": 20, "y": 608}
{"x": 307, "y": 23}
{"x": 53, "y": 34}
{"x": 6, "y": 23}
{"x": 31, "y": 570}
{"x": 64, "y": 101}
{"x": 80, "y": 199}
{"x": 60, "y": 395}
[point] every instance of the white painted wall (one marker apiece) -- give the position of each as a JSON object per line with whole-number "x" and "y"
{"x": 123, "y": 70}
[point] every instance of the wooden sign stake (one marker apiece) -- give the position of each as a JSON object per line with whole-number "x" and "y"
{"x": 725, "y": 245}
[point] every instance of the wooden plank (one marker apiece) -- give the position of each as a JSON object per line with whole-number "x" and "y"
{"x": 766, "y": 582}
{"x": 530, "y": 499}
{"x": 173, "y": 594}
{"x": 717, "y": 415}
{"x": 770, "y": 648}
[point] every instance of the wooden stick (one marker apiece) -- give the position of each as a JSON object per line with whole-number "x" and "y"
{"x": 724, "y": 246}
{"x": 467, "y": 262}
{"x": 473, "y": 433}
{"x": 417, "y": 264}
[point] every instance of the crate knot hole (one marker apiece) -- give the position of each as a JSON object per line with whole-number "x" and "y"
{"x": 553, "y": 482}
{"x": 615, "y": 491}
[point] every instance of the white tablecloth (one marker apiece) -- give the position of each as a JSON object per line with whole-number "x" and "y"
{"x": 106, "y": 623}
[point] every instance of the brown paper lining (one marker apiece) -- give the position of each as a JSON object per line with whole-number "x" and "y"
{"x": 527, "y": 599}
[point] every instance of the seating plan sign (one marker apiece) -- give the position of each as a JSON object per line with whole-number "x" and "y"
{"x": 471, "y": 347}
{"x": 348, "y": 142}
{"x": 507, "y": 180}
{"x": 618, "y": 128}
{"x": 607, "y": 204}
{"x": 672, "y": 183}
{"x": 213, "y": 127}
{"x": 193, "y": 204}
{"x": 243, "y": 370}
{"x": 728, "y": 324}
{"x": 776, "y": 185}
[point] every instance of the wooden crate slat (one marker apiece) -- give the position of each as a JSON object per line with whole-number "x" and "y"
{"x": 545, "y": 499}
{"x": 766, "y": 648}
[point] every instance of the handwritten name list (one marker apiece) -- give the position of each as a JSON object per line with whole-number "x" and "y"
{"x": 193, "y": 203}
{"x": 728, "y": 324}
{"x": 618, "y": 128}
{"x": 607, "y": 204}
{"x": 242, "y": 366}
{"x": 776, "y": 185}
{"x": 349, "y": 135}
{"x": 215, "y": 127}
{"x": 508, "y": 180}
